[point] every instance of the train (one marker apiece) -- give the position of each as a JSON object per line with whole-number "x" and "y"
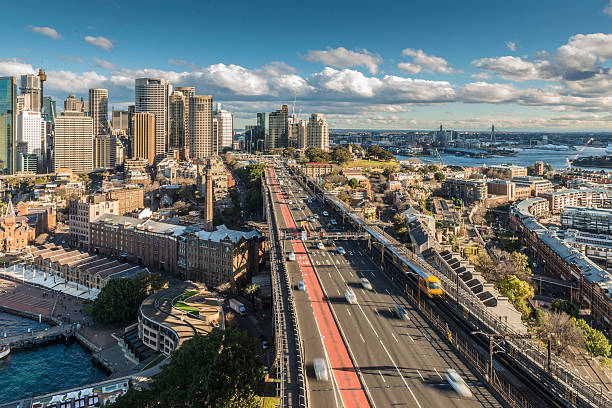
{"x": 428, "y": 283}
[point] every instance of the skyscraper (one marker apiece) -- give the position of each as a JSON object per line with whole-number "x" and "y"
{"x": 279, "y": 128}
{"x": 200, "y": 127}
{"x": 74, "y": 140}
{"x": 225, "y": 128}
{"x": 177, "y": 120}
{"x": 29, "y": 141}
{"x": 29, "y": 86}
{"x": 302, "y": 129}
{"x": 104, "y": 151}
{"x": 152, "y": 96}
{"x": 120, "y": 120}
{"x": 317, "y": 134}
{"x": 188, "y": 92}
{"x": 48, "y": 109}
{"x": 73, "y": 104}
{"x": 144, "y": 136}
{"x": 8, "y": 129}
{"x": 98, "y": 110}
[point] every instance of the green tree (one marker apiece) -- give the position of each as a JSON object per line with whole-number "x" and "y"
{"x": 353, "y": 183}
{"x": 219, "y": 370}
{"x": 251, "y": 290}
{"x": 387, "y": 172}
{"x": 341, "y": 155}
{"x": 317, "y": 155}
{"x": 289, "y": 152}
{"x": 520, "y": 264}
{"x": 517, "y": 292}
{"x": 484, "y": 265}
{"x": 118, "y": 301}
{"x": 439, "y": 176}
{"x": 377, "y": 152}
{"x": 595, "y": 342}
{"x": 561, "y": 329}
{"x": 565, "y": 306}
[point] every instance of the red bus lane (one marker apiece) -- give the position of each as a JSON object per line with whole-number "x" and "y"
{"x": 351, "y": 389}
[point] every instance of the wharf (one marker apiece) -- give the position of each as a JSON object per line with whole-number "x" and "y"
{"x": 32, "y": 338}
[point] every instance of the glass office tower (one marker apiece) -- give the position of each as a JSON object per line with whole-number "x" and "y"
{"x": 8, "y": 119}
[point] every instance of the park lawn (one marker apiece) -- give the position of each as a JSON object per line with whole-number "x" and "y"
{"x": 370, "y": 163}
{"x": 186, "y": 308}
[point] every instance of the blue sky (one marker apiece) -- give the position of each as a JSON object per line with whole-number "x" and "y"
{"x": 524, "y": 65}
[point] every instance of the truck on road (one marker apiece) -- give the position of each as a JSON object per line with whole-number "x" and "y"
{"x": 237, "y": 306}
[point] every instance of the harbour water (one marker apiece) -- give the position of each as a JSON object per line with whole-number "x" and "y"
{"x": 42, "y": 369}
{"x": 524, "y": 157}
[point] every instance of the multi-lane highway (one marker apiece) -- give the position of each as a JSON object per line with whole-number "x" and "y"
{"x": 376, "y": 359}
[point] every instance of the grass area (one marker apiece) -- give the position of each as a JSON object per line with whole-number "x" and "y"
{"x": 186, "y": 308}
{"x": 156, "y": 361}
{"x": 370, "y": 163}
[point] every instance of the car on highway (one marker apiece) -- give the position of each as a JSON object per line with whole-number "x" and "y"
{"x": 325, "y": 213}
{"x": 265, "y": 345}
{"x": 333, "y": 222}
{"x": 458, "y": 384}
{"x": 292, "y": 256}
{"x": 365, "y": 283}
{"x": 320, "y": 369}
{"x": 290, "y": 202}
{"x": 341, "y": 251}
{"x": 301, "y": 285}
{"x": 320, "y": 245}
{"x": 316, "y": 216}
{"x": 400, "y": 312}
{"x": 350, "y": 296}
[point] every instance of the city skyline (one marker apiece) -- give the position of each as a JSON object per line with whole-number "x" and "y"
{"x": 542, "y": 67}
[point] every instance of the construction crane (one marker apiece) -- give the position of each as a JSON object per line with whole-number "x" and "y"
{"x": 570, "y": 162}
{"x": 439, "y": 157}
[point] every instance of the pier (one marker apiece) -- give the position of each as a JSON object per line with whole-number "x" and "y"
{"x": 33, "y": 338}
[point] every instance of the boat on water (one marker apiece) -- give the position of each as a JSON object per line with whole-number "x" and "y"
{"x": 4, "y": 351}
{"x": 609, "y": 149}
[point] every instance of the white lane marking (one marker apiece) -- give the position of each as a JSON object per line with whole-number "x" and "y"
{"x": 381, "y": 376}
{"x": 395, "y": 338}
{"x": 362, "y": 339}
{"x": 411, "y": 338}
{"x": 387, "y": 290}
{"x": 400, "y": 373}
{"x": 420, "y": 375}
{"x": 349, "y": 312}
{"x": 438, "y": 373}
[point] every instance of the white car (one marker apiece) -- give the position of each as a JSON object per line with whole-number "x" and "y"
{"x": 341, "y": 251}
{"x": 320, "y": 369}
{"x": 320, "y": 245}
{"x": 349, "y": 294}
{"x": 333, "y": 222}
{"x": 325, "y": 213}
{"x": 365, "y": 283}
{"x": 292, "y": 256}
{"x": 458, "y": 383}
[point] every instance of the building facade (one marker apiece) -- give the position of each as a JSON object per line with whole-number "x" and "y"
{"x": 30, "y": 88}
{"x": 469, "y": 191}
{"x": 74, "y": 139}
{"x": 98, "y": 110}
{"x": 30, "y": 140}
{"x": 82, "y": 212}
{"x": 105, "y": 151}
{"x": 225, "y": 128}
{"x": 8, "y": 125}
{"x": 317, "y": 132}
{"x": 144, "y": 137}
{"x": 152, "y": 95}
{"x": 596, "y": 220}
{"x": 201, "y": 127}
{"x": 15, "y": 233}
{"x": 177, "y": 120}
{"x": 278, "y": 130}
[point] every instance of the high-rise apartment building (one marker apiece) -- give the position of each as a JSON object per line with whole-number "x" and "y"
{"x": 74, "y": 141}
{"x": 224, "y": 135}
{"x": 188, "y": 92}
{"x": 29, "y": 86}
{"x": 317, "y": 134}
{"x": 152, "y": 95}
{"x": 144, "y": 137}
{"x": 105, "y": 151}
{"x": 98, "y": 110}
{"x": 279, "y": 128}
{"x": 30, "y": 141}
{"x": 201, "y": 127}
{"x": 302, "y": 134}
{"x": 48, "y": 109}
{"x": 8, "y": 128}
{"x": 177, "y": 120}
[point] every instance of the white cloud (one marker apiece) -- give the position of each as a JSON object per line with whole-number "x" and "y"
{"x": 511, "y": 45}
{"x": 100, "y": 63}
{"x": 67, "y": 81}
{"x": 515, "y": 68}
{"x": 102, "y": 42}
{"x": 430, "y": 62}
{"x": 46, "y": 31}
{"x": 484, "y": 92}
{"x": 14, "y": 67}
{"x": 608, "y": 9}
{"x": 409, "y": 68}
{"x": 342, "y": 58}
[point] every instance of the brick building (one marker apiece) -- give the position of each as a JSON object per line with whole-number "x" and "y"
{"x": 15, "y": 232}
{"x": 317, "y": 169}
{"x": 84, "y": 210}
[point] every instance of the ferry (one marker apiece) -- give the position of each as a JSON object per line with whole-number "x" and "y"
{"x": 4, "y": 351}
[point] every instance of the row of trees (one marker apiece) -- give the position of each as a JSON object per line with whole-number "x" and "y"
{"x": 219, "y": 370}
{"x": 251, "y": 178}
{"x": 119, "y": 300}
{"x": 341, "y": 154}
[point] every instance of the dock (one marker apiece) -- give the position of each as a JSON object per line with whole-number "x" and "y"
{"x": 33, "y": 338}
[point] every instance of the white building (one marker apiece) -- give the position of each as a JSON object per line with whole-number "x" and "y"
{"x": 317, "y": 134}
{"x": 201, "y": 127}
{"x": 74, "y": 140}
{"x": 224, "y": 128}
{"x": 29, "y": 140}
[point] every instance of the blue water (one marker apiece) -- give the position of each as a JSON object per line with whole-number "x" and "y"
{"x": 42, "y": 369}
{"x": 524, "y": 157}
